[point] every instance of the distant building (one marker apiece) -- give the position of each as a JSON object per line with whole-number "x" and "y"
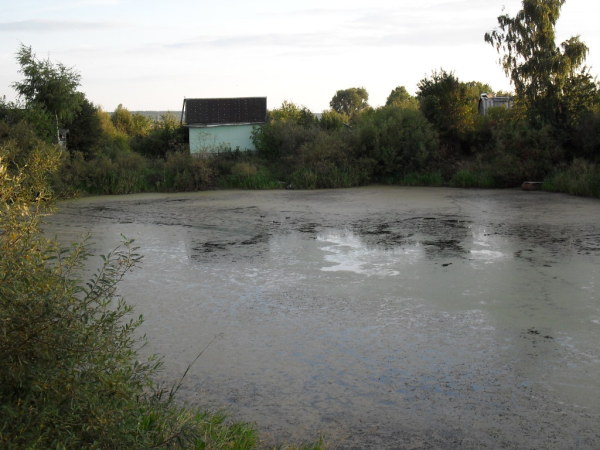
{"x": 222, "y": 123}
{"x": 486, "y": 102}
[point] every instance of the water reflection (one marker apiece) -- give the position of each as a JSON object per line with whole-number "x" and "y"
{"x": 346, "y": 251}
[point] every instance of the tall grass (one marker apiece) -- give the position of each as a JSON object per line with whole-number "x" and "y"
{"x": 465, "y": 178}
{"x": 327, "y": 175}
{"x": 246, "y": 175}
{"x": 581, "y": 177}
{"x": 422, "y": 179}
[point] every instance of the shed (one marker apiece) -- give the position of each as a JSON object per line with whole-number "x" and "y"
{"x": 216, "y": 124}
{"x": 486, "y": 102}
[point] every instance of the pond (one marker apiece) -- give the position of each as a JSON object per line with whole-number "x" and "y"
{"x": 378, "y": 317}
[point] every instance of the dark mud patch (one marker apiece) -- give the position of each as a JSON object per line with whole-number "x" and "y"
{"x": 445, "y": 246}
{"x": 311, "y": 228}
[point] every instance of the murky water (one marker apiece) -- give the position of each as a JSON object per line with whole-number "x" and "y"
{"x": 376, "y": 317}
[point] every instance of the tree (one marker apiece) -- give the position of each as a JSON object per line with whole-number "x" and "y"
{"x": 448, "y": 104}
{"x": 476, "y": 88}
{"x": 399, "y": 141}
{"x": 85, "y": 130}
{"x": 542, "y": 73}
{"x": 166, "y": 136}
{"x": 332, "y": 120}
{"x": 52, "y": 87}
{"x": 290, "y": 112}
{"x": 400, "y": 98}
{"x": 123, "y": 121}
{"x": 350, "y": 101}
{"x": 287, "y": 129}
{"x": 37, "y": 120}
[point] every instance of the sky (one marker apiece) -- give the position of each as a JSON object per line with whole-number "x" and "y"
{"x": 150, "y": 55}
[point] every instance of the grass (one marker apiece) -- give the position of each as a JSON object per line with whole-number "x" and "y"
{"x": 580, "y": 178}
{"x": 471, "y": 179}
{"x": 260, "y": 180}
{"x": 422, "y": 179}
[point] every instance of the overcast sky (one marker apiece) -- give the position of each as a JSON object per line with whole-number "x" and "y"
{"x": 149, "y": 55}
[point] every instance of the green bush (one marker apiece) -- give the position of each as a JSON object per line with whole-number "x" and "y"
{"x": 282, "y": 139}
{"x": 246, "y": 175}
{"x": 333, "y": 120}
{"x": 326, "y": 175}
{"x": 123, "y": 174}
{"x": 162, "y": 137}
{"x": 327, "y": 162}
{"x": 579, "y": 178}
{"x": 422, "y": 179}
{"x": 185, "y": 172}
{"x": 466, "y": 178}
{"x": 71, "y": 376}
{"x": 515, "y": 152}
{"x": 304, "y": 178}
{"x": 586, "y": 138}
{"x": 399, "y": 141}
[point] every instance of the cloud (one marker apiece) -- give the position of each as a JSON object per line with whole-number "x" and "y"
{"x": 327, "y": 40}
{"x": 53, "y": 25}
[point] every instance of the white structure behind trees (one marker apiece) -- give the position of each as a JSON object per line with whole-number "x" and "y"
{"x": 487, "y": 101}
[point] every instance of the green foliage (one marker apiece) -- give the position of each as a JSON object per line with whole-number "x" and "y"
{"x": 522, "y": 153}
{"x": 22, "y": 149}
{"x": 185, "y": 172}
{"x": 85, "y": 130}
{"x": 162, "y": 137}
{"x": 581, "y": 177}
{"x": 246, "y": 175}
{"x": 52, "y": 87}
{"x": 586, "y": 137}
{"x": 123, "y": 174}
{"x": 122, "y": 120}
{"x": 475, "y": 89}
{"x": 71, "y": 376}
{"x": 510, "y": 151}
{"x": 422, "y": 179}
{"x": 352, "y": 144}
{"x": 282, "y": 139}
{"x": 333, "y": 120}
{"x": 38, "y": 120}
{"x": 472, "y": 178}
{"x": 581, "y": 97}
{"x": 399, "y": 141}
{"x": 400, "y": 98}
{"x": 326, "y": 175}
{"x": 290, "y": 112}
{"x": 130, "y": 124}
{"x": 350, "y": 101}
{"x": 449, "y": 105}
{"x": 327, "y": 162}
{"x": 544, "y": 75}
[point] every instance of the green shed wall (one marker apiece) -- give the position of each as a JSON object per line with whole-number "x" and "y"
{"x": 213, "y": 138}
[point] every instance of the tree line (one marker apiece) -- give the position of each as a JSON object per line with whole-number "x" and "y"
{"x": 436, "y": 137}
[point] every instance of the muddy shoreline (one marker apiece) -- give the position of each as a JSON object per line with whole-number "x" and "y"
{"x": 378, "y": 317}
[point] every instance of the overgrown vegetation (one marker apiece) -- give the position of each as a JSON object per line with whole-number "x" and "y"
{"x": 436, "y": 137}
{"x": 71, "y": 375}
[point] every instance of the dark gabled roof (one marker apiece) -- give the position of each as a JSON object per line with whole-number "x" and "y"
{"x": 216, "y": 111}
